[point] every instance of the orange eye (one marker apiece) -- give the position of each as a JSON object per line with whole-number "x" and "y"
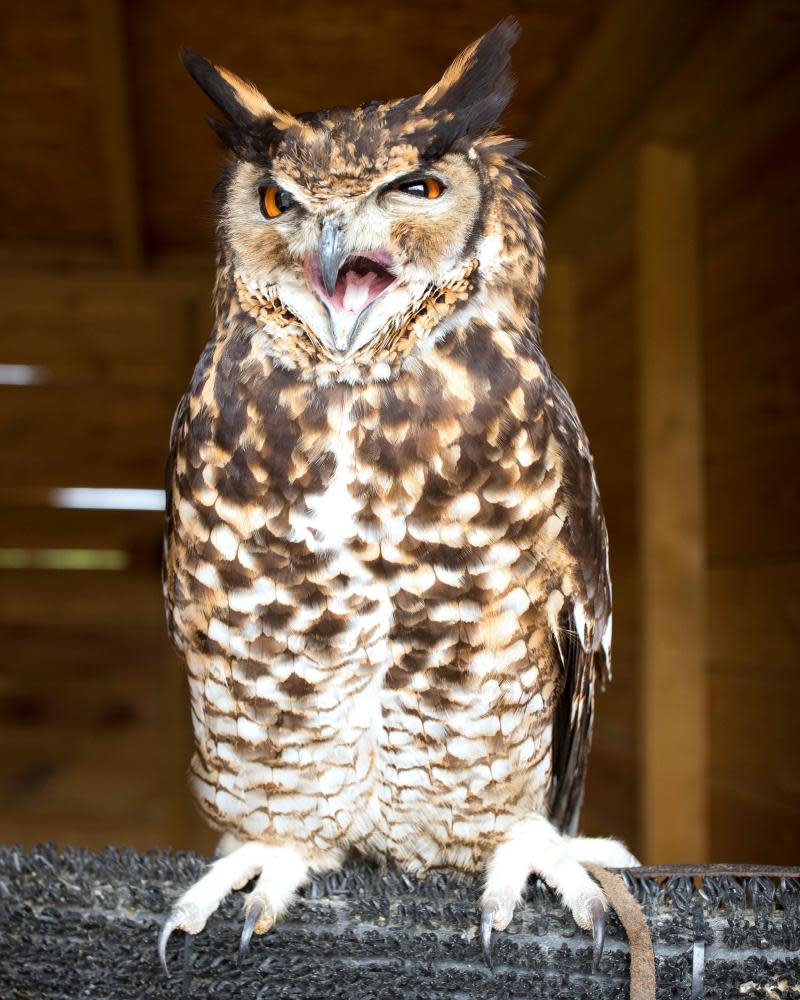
{"x": 274, "y": 201}
{"x": 423, "y": 187}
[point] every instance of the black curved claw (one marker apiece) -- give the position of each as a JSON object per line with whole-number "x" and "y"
{"x": 251, "y": 918}
{"x": 598, "y": 915}
{"x": 487, "y": 918}
{"x": 172, "y": 921}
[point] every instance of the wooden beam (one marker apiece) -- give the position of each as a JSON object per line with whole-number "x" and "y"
{"x": 106, "y": 43}
{"x": 674, "y": 760}
{"x": 57, "y": 257}
{"x": 633, "y": 47}
{"x": 743, "y": 46}
{"x": 157, "y": 282}
{"x": 73, "y": 258}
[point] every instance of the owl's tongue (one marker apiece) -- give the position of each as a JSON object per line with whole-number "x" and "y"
{"x": 360, "y": 280}
{"x": 353, "y": 291}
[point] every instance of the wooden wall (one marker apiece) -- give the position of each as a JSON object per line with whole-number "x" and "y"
{"x": 94, "y": 720}
{"x": 679, "y": 222}
{"x": 750, "y": 220}
{"x": 666, "y": 136}
{"x": 106, "y": 175}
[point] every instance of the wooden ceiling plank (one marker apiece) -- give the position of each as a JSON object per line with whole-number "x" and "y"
{"x": 107, "y": 58}
{"x": 688, "y": 108}
{"x": 633, "y": 48}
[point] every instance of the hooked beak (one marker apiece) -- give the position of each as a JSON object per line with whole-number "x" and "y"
{"x": 330, "y": 253}
{"x": 347, "y": 285}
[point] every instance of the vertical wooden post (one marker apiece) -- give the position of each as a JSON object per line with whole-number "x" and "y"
{"x": 559, "y": 320}
{"x": 674, "y": 760}
{"x": 104, "y": 26}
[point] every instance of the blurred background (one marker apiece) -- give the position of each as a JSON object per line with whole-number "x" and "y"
{"x": 666, "y": 136}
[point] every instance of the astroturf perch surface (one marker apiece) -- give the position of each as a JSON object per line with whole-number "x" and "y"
{"x": 77, "y": 924}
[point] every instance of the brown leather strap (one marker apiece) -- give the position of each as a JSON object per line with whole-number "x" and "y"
{"x": 714, "y": 871}
{"x": 643, "y": 962}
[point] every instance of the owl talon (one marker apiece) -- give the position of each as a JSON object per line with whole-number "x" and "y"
{"x": 280, "y": 871}
{"x": 598, "y": 915}
{"x": 173, "y": 921}
{"x": 253, "y": 914}
{"x": 487, "y": 918}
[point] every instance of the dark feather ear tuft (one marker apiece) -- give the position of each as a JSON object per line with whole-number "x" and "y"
{"x": 478, "y": 85}
{"x": 241, "y": 102}
{"x": 213, "y": 84}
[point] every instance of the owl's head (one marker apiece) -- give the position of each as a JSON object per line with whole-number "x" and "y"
{"x": 351, "y": 219}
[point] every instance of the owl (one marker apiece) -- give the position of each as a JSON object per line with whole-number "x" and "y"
{"x": 385, "y": 559}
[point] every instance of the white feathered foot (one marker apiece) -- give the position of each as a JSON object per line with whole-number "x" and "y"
{"x": 280, "y": 870}
{"x": 535, "y": 846}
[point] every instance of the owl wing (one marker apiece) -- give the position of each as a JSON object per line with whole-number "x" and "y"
{"x": 167, "y": 577}
{"x": 175, "y": 484}
{"x": 583, "y": 632}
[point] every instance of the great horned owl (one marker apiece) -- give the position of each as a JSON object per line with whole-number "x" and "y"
{"x": 385, "y": 556}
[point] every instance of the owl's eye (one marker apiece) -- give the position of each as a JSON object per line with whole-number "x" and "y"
{"x": 274, "y": 201}
{"x": 423, "y": 187}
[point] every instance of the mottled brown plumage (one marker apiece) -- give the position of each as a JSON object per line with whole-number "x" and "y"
{"x": 385, "y": 559}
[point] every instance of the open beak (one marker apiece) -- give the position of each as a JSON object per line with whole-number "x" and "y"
{"x": 347, "y": 284}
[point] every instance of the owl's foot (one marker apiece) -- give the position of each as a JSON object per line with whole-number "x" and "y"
{"x": 534, "y": 845}
{"x": 281, "y": 871}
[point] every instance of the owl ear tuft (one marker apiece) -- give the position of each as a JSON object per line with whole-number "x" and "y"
{"x": 477, "y": 86}
{"x": 240, "y": 101}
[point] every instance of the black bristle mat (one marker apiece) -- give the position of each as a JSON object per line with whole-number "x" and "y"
{"x": 76, "y": 924}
